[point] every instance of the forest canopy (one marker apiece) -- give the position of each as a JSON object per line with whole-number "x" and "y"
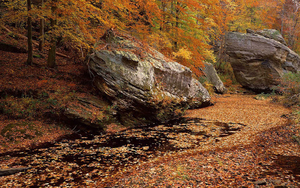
{"x": 189, "y": 31}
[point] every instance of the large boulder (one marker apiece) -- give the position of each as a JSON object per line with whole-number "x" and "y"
{"x": 259, "y": 62}
{"x": 269, "y": 33}
{"x": 212, "y": 76}
{"x": 142, "y": 83}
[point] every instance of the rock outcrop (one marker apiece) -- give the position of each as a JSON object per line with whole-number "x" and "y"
{"x": 259, "y": 62}
{"x": 269, "y": 33}
{"x": 143, "y": 84}
{"x": 212, "y": 76}
{"x": 89, "y": 111}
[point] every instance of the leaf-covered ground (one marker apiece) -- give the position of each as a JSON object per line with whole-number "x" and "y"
{"x": 237, "y": 142}
{"x": 264, "y": 153}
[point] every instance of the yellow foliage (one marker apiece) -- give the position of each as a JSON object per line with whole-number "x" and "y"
{"x": 159, "y": 38}
{"x": 209, "y": 87}
{"x": 183, "y": 53}
{"x": 209, "y": 55}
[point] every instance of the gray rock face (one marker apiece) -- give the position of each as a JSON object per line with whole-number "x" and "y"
{"x": 143, "y": 84}
{"x": 269, "y": 33}
{"x": 212, "y": 76}
{"x": 90, "y": 112}
{"x": 259, "y": 62}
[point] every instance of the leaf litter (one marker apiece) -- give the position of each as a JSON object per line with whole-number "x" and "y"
{"x": 237, "y": 142}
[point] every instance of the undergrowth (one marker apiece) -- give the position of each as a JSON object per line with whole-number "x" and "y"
{"x": 263, "y": 96}
{"x": 286, "y": 93}
{"x": 290, "y": 89}
{"x": 31, "y": 107}
{"x": 17, "y": 132}
{"x": 207, "y": 85}
{"x": 225, "y": 73}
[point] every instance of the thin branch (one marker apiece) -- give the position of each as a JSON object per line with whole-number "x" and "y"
{"x": 10, "y": 171}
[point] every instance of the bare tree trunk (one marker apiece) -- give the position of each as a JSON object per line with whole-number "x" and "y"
{"x": 51, "y": 55}
{"x": 163, "y": 7}
{"x": 282, "y": 20}
{"x": 176, "y": 24}
{"x": 291, "y": 39}
{"x": 29, "y": 25}
{"x": 42, "y": 31}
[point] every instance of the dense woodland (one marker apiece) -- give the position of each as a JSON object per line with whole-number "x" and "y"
{"x": 245, "y": 139}
{"x": 188, "y": 31}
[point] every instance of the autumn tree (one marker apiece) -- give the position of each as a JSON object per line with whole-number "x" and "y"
{"x": 282, "y": 15}
{"x": 183, "y": 30}
{"x": 42, "y": 28}
{"x": 290, "y": 22}
{"x": 29, "y": 26}
{"x": 51, "y": 62}
{"x": 169, "y": 25}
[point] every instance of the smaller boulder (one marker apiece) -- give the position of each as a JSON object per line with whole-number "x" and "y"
{"x": 212, "y": 76}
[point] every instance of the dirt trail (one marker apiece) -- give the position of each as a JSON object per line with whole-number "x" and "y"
{"x": 257, "y": 115}
{"x": 260, "y": 154}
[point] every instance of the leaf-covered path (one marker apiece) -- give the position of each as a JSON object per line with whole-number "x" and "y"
{"x": 257, "y": 115}
{"x": 263, "y": 153}
{"x": 237, "y": 142}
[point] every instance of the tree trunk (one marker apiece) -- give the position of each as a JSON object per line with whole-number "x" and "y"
{"x": 163, "y": 7}
{"x": 29, "y": 25}
{"x": 42, "y": 31}
{"x": 177, "y": 12}
{"x": 51, "y": 55}
{"x": 52, "y": 51}
{"x": 282, "y": 20}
